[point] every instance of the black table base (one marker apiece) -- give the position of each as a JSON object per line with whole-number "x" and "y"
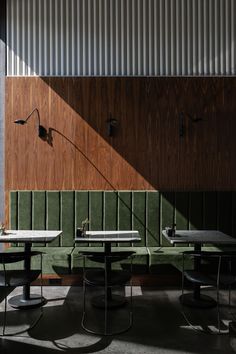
{"x": 18, "y": 302}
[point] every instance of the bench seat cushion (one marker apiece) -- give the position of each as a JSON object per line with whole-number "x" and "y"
{"x": 139, "y": 263}
{"x": 172, "y": 256}
{"x": 56, "y": 260}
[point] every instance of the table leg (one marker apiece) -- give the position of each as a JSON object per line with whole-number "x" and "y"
{"x": 113, "y": 301}
{"x": 26, "y": 300}
{"x": 196, "y": 299}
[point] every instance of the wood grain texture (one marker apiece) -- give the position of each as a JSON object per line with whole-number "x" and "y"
{"x": 146, "y": 151}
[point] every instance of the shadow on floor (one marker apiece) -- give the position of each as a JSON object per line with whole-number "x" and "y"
{"x": 159, "y": 327}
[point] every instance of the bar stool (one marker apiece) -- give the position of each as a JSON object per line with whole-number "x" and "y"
{"x": 215, "y": 270}
{"x": 108, "y": 280}
{"x": 18, "y": 277}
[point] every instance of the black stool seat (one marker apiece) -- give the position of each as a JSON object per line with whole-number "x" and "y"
{"x": 100, "y": 257}
{"x": 201, "y": 278}
{"x": 97, "y": 277}
{"x": 18, "y": 277}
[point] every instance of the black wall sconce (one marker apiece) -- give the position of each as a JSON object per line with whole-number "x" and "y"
{"x": 42, "y": 132}
{"x": 111, "y": 125}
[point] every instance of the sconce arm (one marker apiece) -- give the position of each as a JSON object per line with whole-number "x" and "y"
{"x": 31, "y": 113}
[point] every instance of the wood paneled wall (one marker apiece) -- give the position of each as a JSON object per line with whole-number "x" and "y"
{"x": 146, "y": 151}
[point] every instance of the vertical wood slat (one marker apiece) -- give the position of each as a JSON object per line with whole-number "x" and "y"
{"x": 118, "y": 37}
{"x": 136, "y": 157}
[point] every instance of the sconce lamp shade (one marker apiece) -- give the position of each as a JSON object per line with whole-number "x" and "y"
{"x": 20, "y": 121}
{"x": 42, "y": 132}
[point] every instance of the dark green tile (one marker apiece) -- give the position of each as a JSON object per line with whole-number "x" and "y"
{"x": 53, "y": 214}
{"x": 182, "y": 210}
{"x": 153, "y": 219}
{"x": 196, "y": 211}
{"x": 139, "y": 215}
{"x": 125, "y": 213}
{"x": 234, "y": 214}
{"x": 167, "y": 213}
{"x": 96, "y": 211}
{"x": 210, "y": 211}
{"x": 24, "y": 210}
{"x": 67, "y": 218}
{"x": 225, "y": 212}
{"x": 39, "y": 212}
{"x": 81, "y": 209}
{"x": 110, "y": 206}
{"x": 13, "y": 210}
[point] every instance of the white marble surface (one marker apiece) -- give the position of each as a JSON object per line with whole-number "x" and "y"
{"x": 200, "y": 236}
{"x": 29, "y": 236}
{"x": 110, "y": 236}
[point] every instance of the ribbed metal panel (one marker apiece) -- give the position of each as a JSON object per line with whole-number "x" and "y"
{"x": 121, "y": 37}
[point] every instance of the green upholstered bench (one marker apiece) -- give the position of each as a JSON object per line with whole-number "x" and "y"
{"x": 146, "y": 211}
{"x": 65, "y": 210}
{"x": 41, "y": 210}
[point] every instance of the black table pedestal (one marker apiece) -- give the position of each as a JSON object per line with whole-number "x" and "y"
{"x": 18, "y": 302}
{"x": 113, "y": 301}
{"x": 196, "y": 299}
{"x": 25, "y": 300}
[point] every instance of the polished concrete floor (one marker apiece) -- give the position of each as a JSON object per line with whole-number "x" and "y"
{"x": 159, "y": 326}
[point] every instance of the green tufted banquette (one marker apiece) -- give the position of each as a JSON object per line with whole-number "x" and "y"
{"x": 146, "y": 211}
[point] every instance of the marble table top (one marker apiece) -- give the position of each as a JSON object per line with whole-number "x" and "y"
{"x": 200, "y": 236}
{"x": 29, "y": 236}
{"x": 109, "y": 236}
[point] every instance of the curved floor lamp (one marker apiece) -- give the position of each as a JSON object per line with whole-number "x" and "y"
{"x": 42, "y": 132}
